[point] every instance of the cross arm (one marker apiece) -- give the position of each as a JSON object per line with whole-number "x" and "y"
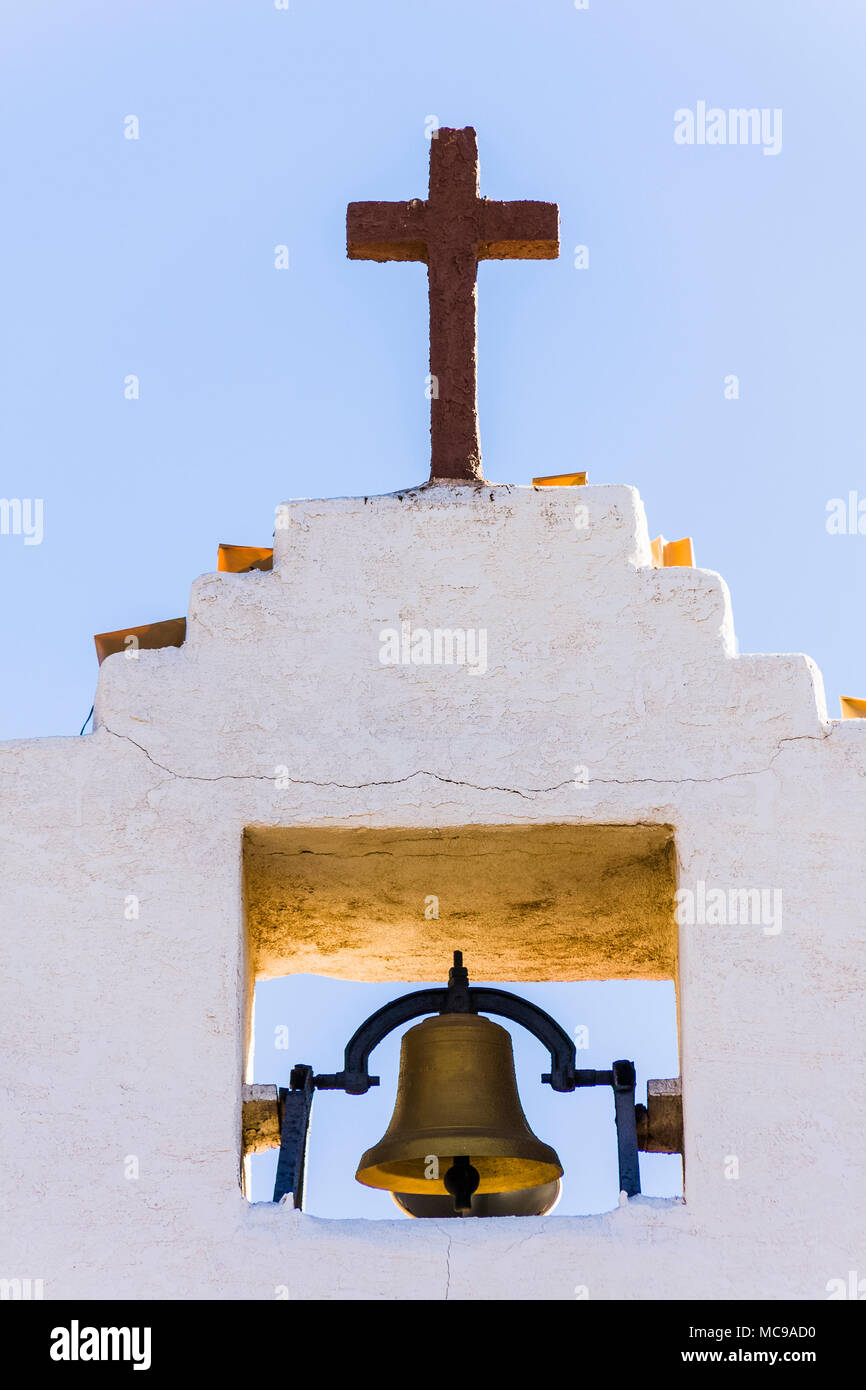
{"x": 386, "y": 231}
{"x": 518, "y": 231}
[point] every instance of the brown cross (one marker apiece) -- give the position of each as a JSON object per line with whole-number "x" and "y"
{"x": 452, "y": 231}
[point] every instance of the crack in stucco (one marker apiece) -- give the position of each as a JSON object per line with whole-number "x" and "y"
{"x": 533, "y": 1235}
{"x": 544, "y": 847}
{"x": 526, "y": 794}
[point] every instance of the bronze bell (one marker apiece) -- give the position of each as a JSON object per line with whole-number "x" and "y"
{"x": 458, "y": 1127}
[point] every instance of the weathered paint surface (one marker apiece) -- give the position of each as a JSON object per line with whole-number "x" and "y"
{"x": 126, "y": 970}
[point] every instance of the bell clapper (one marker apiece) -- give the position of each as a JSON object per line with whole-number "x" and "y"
{"x": 461, "y": 1181}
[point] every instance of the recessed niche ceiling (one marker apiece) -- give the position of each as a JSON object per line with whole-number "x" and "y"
{"x": 551, "y": 902}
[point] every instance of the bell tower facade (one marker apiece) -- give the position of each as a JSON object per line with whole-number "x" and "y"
{"x": 275, "y": 741}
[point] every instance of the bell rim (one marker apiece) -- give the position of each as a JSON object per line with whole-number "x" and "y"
{"x": 528, "y": 1169}
{"x": 445, "y": 1144}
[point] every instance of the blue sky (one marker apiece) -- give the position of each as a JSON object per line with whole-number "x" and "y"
{"x": 155, "y": 257}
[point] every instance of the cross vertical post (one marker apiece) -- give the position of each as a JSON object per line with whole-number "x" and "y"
{"x": 451, "y": 232}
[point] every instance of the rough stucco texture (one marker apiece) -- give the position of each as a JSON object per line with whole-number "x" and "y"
{"x": 126, "y": 1036}
{"x": 565, "y": 902}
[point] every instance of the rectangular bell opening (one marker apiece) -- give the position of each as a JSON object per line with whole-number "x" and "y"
{"x": 310, "y": 1018}
{"x": 578, "y": 920}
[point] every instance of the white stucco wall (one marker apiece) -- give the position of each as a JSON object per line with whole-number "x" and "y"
{"x": 127, "y": 1037}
